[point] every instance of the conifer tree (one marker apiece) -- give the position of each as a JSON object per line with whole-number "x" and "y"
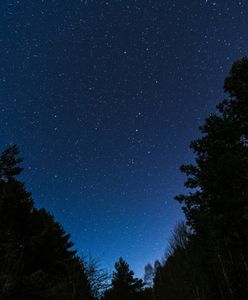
{"x": 124, "y": 284}
{"x": 35, "y": 257}
{"x": 217, "y": 207}
{"x": 211, "y": 261}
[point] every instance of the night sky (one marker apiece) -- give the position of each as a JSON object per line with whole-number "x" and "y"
{"x": 103, "y": 98}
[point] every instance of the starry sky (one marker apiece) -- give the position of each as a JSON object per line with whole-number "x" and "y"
{"x": 103, "y": 98}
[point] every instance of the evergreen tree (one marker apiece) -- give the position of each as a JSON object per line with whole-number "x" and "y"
{"x": 35, "y": 257}
{"x": 217, "y": 208}
{"x": 124, "y": 285}
{"x": 211, "y": 260}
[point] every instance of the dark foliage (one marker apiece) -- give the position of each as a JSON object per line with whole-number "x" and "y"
{"x": 213, "y": 264}
{"x": 125, "y": 285}
{"x": 35, "y": 257}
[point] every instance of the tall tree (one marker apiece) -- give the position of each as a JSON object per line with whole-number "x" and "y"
{"x": 217, "y": 207}
{"x": 35, "y": 256}
{"x": 211, "y": 260}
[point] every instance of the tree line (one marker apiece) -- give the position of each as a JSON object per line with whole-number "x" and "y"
{"x": 207, "y": 256}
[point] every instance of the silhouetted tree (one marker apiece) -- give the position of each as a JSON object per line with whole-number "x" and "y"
{"x": 149, "y": 275}
{"x": 35, "y": 257}
{"x": 124, "y": 284}
{"x": 214, "y": 262}
{"x": 180, "y": 277}
{"x": 217, "y": 208}
{"x": 98, "y": 278}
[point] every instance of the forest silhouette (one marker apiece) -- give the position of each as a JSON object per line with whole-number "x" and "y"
{"x": 207, "y": 256}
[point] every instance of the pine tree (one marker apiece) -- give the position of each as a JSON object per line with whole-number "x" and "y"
{"x": 124, "y": 285}
{"x": 35, "y": 257}
{"x": 217, "y": 207}
{"x": 211, "y": 260}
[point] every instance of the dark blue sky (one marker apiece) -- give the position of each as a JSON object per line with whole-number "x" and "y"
{"x": 103, "y": 98}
